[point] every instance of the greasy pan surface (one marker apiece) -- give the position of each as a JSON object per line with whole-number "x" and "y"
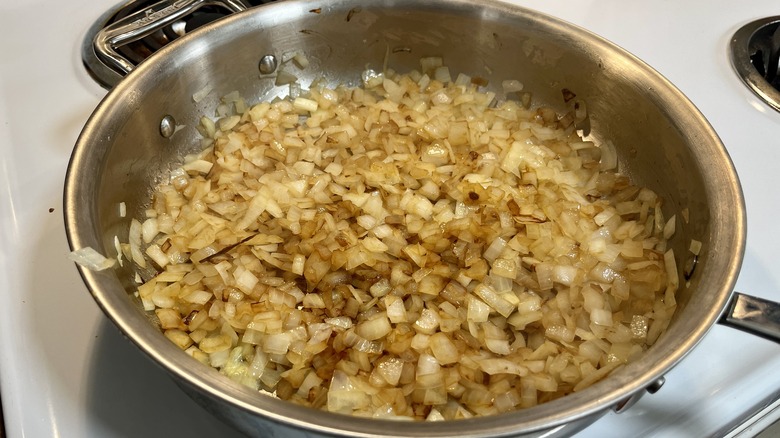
{"x": 663, "y": 143}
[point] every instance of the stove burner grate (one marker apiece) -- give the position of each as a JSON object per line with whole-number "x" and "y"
{"x": 139, "y": 50}
{"x": 755, "y": 55}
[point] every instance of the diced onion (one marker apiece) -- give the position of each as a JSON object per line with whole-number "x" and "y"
{"x": 301, "y": 60}
{"x": 511, "y": 86}
{"x": 415, "y": 248}
{"x": 91, "y": 259}
{"x": 283, "y": 77}
{"x": 304, "y": 104}
{"x": 695, "y": 247}
{"x": 201, "y": 94}
{"x": 608, "y": 156}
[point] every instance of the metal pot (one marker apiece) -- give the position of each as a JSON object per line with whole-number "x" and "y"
{"x": 663, "y": 143}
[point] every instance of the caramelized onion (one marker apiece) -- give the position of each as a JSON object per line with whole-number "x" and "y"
{"x": 415, "y": 248}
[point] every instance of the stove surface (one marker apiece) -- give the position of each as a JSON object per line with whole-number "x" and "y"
{"x": 67, "y": 372}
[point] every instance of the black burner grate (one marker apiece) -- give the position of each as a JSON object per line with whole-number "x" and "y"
{"x": 141, "y": 49}
{"x": 755, "y": 55}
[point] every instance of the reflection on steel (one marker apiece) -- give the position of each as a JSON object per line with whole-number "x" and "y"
{"x": 167, "y": 126}
{"x": 754, "y": 315}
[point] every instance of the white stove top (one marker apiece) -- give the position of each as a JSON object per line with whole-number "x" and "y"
{"x": 65, "y": 371}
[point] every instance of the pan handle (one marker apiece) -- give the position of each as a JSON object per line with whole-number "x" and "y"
{"x": 145, "y": 22}
{"x": 753, "y": 315}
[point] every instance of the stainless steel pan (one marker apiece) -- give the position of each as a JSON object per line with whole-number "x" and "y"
{"x": 663, "y": 142}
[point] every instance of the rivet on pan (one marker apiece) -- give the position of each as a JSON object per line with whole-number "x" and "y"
{"x": 267, "y": 64}
{"x": 656, "y": 385}
{"x": 167, "y": 126}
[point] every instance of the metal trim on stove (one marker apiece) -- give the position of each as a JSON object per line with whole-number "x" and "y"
{"x": 755, "y": 55}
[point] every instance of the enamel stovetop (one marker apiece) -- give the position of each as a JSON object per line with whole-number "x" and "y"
{"x": 66, "y": 372}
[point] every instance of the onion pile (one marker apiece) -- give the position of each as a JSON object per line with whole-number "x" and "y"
{"x": 415, "y": 248}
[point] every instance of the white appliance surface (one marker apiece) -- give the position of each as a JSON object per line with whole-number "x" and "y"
{"x": 65, "y": 371}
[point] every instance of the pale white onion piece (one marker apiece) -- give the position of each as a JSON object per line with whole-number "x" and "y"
{"x": 374, "y": 329}
{"x": 157, "y": 255}
{"x": 149, "y": 230}
{"x": 202, "y": 93}
{"x": 303, "y": 104}
{"x": 118, "y": 248}
{"x": 671, "y": 267}
{"x": 284, "y": 77}
{"x": 608, "y": 156}
{"x": 502, "y": 366}
{"x": 511, "y": 86}
{"x": 669, "y": 227}
{"x": 695, "y": 246}
{"x": 300, "y": 60}
{"x": 495, "y": 249}
{"x": 91, "y": 259}
{"x": 134, "y": 237}
{"x": 492, "y": 299}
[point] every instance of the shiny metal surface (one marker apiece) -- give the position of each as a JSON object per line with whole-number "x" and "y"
{"x": 635, "y": 397}
{"x": 754, "y": 315}
{"x": 662, "y": 139}
{"x": 267, "y": 64}
{"x": 758, "y": 39}
{"x": 167, "y": 126}
{"x": 144, "y": 22}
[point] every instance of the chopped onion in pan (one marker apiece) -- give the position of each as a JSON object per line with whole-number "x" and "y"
{"x": 412, "y": 249}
